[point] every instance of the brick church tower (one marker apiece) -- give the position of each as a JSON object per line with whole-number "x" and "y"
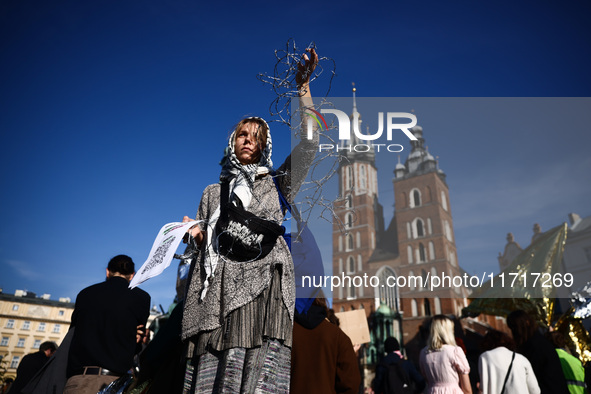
{"x": 426, "y": 241}
{"x": 418, "y": 242}
{"x": 358, "y": 222}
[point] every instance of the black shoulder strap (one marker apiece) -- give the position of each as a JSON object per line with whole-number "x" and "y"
{"x": 508, "y": 373}
{"x": 224, "y": 198}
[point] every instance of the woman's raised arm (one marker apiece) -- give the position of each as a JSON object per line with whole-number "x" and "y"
{"x": 305, "y": 71}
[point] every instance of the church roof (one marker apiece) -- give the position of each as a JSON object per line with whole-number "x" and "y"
{"x": 380, "y": 254}
{"x": 387, "y": 245}
{"x": 419, "y": 160}
{"x": 384, "y": 310}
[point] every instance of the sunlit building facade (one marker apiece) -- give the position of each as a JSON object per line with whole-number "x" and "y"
{"x": 26, "y": 321}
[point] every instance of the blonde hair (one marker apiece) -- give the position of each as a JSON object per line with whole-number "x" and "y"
{"x": 441, "y": 333}
{"x": 263, "y": 128}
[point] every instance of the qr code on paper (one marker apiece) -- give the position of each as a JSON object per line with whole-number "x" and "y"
{"x": 158, "y": 255}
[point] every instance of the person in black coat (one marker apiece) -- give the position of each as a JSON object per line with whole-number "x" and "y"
{"x": 109, "y": 319}
{"x": 393, "y": 355}
{"x": 30, "y": 364}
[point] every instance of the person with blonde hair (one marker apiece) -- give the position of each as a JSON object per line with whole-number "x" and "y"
{"x": 442, "y": 362}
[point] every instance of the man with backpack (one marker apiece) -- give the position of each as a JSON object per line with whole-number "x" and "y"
{"x": 396, "y": 375}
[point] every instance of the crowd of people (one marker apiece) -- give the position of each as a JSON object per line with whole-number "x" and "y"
{"x": 527, "y": 361}
{"x": 99, "y": 351}
{"x": 239, "y": 326}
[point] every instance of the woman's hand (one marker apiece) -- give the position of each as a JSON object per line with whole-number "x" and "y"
{"x": 305, "y": 70}
{"x": 195, "y": 232}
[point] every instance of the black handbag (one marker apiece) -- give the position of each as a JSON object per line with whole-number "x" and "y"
{"x": 241, "y": 235}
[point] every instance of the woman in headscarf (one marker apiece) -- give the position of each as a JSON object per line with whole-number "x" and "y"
{"x": 238, "y": 313}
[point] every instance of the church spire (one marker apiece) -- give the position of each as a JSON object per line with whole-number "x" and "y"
{"x": 355, "y": 119}
{"x": 419, "y": 160}
{"x": 354, "y": 99}
{"x": 356, "y": 148}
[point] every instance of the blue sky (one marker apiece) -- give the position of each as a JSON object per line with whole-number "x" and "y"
{"x": 114, "y": 115}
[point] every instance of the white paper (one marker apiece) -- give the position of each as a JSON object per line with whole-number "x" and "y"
{"x": 167, "y": 241}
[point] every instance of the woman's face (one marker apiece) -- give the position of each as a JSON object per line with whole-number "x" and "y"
{"x": 246, "y": 146}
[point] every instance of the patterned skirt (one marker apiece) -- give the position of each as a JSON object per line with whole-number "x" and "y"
{"x": 264, "y": 369}
{"x": 250, "y": 353}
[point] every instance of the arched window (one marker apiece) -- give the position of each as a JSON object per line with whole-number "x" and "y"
{"x": 422, "y": 254}
{"x": 413, "y": 308}
{"x": 429, "y": 226}
{"x": 349, "y": 242}
{"x": 359, "y": 263}
{"x": 349, "y": 220}
{"x": 411, "y": 280}
{"x": 340, "y": 243}
{"x": 350, "y": 177}
{"x": 363, "y": 177}
{"x": 351, "y": 293}
{"x": 431, "y": 251}
{"x": 388, "y": 293}
{"x": 408, "y": 231}
{"x": 443, "y": 200}
{"x": 351, "y": 264}
{"x": 427, "y": 306}
{"x": 448, "y": 230}
{"x": 416, "y": 198}
{"x": 409, "y": 253}
{"x": 424, "y": 277}
{"x": 349, "y": 201}
{"x": 358, "y": 236}
{"x": 437, "y": 301}
{"x": 420, "y": 228}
